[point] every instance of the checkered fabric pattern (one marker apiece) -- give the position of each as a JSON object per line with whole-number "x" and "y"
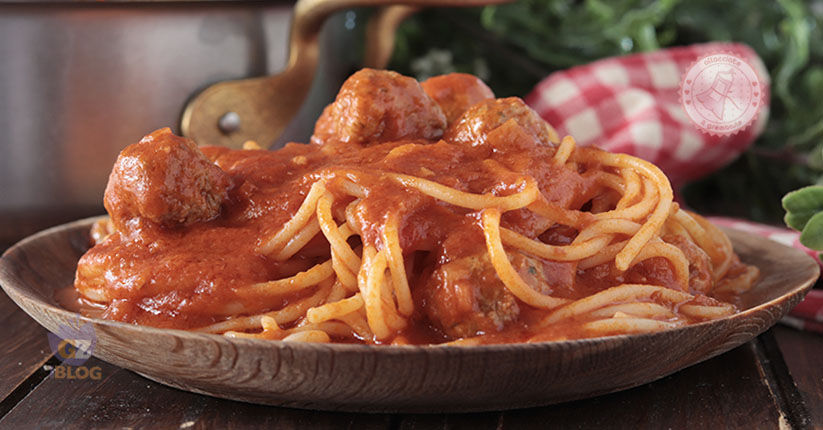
{"x": 808, "y": 314}
{"x": 630, "y": 104}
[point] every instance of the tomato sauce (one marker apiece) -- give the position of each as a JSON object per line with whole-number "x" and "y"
{"x": 189, "y": 220}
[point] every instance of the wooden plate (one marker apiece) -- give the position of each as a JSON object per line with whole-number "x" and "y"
{"x": 400, "y": 378}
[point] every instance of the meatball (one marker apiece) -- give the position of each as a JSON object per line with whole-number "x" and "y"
{"x": 456, "y": 93}
{"x": 465, "y": 297}
{"x": 700, "y": 264}
{"x": 379, "y": 106}
{"x": 474, "y": 126}
{"x": 165, "y": 179}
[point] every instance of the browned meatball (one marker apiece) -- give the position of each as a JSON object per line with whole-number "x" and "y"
{"x": 700, "y": 264}
{"x": 456, "y": 93}
{"x": 465, "y": 297}
{"x": 379, "y": 106}
{"x": 474, "y": 126}
{"x": 165, "y": 179}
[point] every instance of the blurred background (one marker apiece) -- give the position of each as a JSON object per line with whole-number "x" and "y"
{"x": 79, "y": 81}
{"x": 514, "y": 46}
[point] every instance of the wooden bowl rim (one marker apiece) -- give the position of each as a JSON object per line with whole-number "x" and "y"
{"x": 15, "y": 292}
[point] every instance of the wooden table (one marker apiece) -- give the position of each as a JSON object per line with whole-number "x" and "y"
{"x": 775, "y": 381}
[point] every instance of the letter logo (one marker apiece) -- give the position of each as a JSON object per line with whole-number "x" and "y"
{"x": 721, "y": 93}
{"x": 73, "y": 344}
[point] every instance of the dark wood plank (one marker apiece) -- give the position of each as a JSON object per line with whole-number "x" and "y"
{"x": 24, "y": 346}
{"x": 775, "y": 372}
{"x": 473, "y": 421}
{"x": 15, "y": 225}
{"x": 725, "y": 392}
{"x": 803, "y": 354}
{"x": 122, "y": 399}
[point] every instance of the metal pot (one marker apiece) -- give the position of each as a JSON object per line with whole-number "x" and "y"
{"x": 79, "y": 81}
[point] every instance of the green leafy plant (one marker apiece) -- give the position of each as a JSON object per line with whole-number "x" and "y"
{"x": 514, "y": 46}
{"x": 804, "y": 213}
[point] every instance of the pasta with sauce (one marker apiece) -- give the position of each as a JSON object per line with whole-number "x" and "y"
{"x": 425, "y": 213}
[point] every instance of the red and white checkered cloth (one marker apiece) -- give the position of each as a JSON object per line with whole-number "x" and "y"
{"x": 630, "y": 104}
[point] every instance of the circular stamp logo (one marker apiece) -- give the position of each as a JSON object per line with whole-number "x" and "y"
{"x": 721, "y": 94}
{"x": 73, "y": 344}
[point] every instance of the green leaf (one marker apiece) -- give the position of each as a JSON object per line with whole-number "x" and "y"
{"x": 812, "y": 234}
{"x": 802, "y": 205}
{"x": 797, "y": 221}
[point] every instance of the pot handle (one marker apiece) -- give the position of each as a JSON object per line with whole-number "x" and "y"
{"x": 230, "y": 113}
{"x": 380, "y": 34}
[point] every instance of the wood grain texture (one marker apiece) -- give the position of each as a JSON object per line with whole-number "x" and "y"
{"x": 803, "y": 354}
{"x": 24, "y": 346}
{"x": 122, "y": 399}
{"x": 724, "y": 392}
{"x": 401, "y": 378}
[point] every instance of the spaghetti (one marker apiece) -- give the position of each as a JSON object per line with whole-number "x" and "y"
{"x": 398, "y": 224}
